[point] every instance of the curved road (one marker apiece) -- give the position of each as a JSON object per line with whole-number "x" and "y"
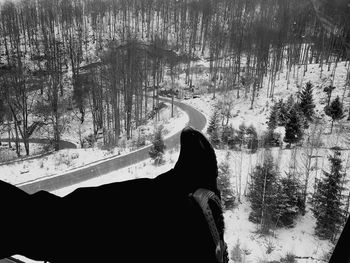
{"x": 196, "y": 120}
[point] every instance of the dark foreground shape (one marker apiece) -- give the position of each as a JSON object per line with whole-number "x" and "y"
{"x": 143, "y": 220}
{"x": 341, "y": 253}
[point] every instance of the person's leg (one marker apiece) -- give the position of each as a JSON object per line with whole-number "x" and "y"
{"x": 341, "y": 252}
{"x": 132, "y": 215}
{"x": 27, "y": 222}
{"x": 44, "y": 225}
{"x": 197, "y": 165}
{"x": 12, "y": 201}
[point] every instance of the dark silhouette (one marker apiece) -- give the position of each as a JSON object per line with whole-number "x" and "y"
{"x": 142, "y": 220}
{"x": 341, "y": 251}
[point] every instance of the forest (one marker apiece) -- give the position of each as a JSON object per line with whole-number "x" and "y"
{"x": 109, "y": 56}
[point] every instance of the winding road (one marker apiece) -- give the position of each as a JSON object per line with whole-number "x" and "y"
{"x": 196, "y": 119}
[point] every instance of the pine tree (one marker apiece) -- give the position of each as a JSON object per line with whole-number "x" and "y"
{"x": 327, "y": 200}
{"x": 289, "y": 200}
{"x": 273, "y": 118}
{"x": 213, "y": 128}
{"x": 158, "y": 147}
{"x": 335, "y": 111}
{"x": 306, "y": 104}
{"x": 262, "y": 194}
{"x": 293, "y": 129}
{"x": 224, "y": 185}
{"x": 290, "y": 103}
{"x": 282, "y": 113}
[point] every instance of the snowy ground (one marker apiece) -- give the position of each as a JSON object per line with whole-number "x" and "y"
{"x": 257, "y": 116}
{"x": 10, "y": 154}
{"x": 65, "y": 160}
{"x": 254, "y": 247}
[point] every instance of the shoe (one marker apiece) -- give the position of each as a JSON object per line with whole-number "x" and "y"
{"x": 197, "y": 165}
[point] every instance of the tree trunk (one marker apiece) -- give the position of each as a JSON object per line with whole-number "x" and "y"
{"x": 332, "y": 126}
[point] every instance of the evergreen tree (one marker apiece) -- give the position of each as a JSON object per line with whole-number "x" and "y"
{"x": 224, "y": 185}
{"x": 289, "y": 200}
{"x": 290, "y": 103}
{"x": 273, "y": 118}
{"x": 158, "y": 147}
{"x": 335, "y": 111}
{"x": 293, "y": 129}
{"x": 327, "y": 200}
{"x": 282, "y": 113}
{"x": 213, "y": 128}
{"x": 306, "y": 104}
{"x": 263, "y": 192}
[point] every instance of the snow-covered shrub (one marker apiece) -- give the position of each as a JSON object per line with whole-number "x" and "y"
{"x": 7, "y": 155}
{"x": 47, "y": 147}
{"x": 327, "y": 255}
{"x": 288, "y": 258}
{"x": 251, "y": 139}
{"x": 270, "y": 247}
{"x": 138, "y": 141}
{"x": 236, "y": 253}
{"x": 122, "y": 143}
{"x": 155, "y": 110}
{"x": 75, "y": 156}
{"x": 158, "y": 147}
{"x": 270, "y": 139}
{"x": 89, "y": 141}
{"x": 244, "y": 137}
{"x": 141, "y": 141}
{"x": 63, "y": 159}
